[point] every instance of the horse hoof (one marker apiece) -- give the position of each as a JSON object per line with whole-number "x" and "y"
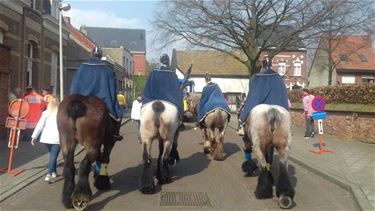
{"x": 248, "y": 167}
{"x": 102, "y": 182}
{"x": 207, "y": 150}
{"x": 148, "y": 189}
{"x": 285, "y": 202}
{"x": 80, "y": 203}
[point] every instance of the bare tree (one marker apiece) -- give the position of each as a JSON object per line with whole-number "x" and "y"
{"x": 241, "y": 28}
{"x": 350, "y": 17}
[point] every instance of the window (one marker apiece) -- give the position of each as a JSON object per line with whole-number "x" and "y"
{"x": 282, "y": 68}
{"x": 344, "y": 57}
{"x": 297, "y": 69}
{"x": 29, "y": 67}
{"x": 54, "y": 72}
{"x": 368, "y": 79}
{"x": 348, "y": 79}
{"x": 1, "y": 37}
{"x": 363, "y": 58}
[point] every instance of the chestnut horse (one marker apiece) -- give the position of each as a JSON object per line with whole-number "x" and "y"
{"x": 216, "y": 120}
{"x": 84, "y": 120}
{"x": 159, "y": 120}
{"x": 269, "y": 126}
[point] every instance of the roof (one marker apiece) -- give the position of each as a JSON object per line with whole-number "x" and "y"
{"x": 208, "y": 61}
{"x": 357, "y": 51}
{"x": 278, "y": 35}
{"x": 132, "y": 39}
{"x": 78, "y": 36}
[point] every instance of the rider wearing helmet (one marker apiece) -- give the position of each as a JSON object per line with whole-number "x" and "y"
{"x": 162, "y": 84}
{"x": 96, "y": 78}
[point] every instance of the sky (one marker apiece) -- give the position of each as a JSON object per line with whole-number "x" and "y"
{"x": 116, "y": 14}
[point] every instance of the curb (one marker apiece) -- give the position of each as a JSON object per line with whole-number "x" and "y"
{"x": 37, "y": 174}
{"x": 359, "y": 197}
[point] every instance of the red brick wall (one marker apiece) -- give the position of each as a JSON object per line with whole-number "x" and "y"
{"x": 4, "y": 87}
{"x": 139, "y": 61}
{"x": 345, "y": 125}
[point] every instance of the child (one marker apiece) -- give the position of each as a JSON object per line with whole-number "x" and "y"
{"x": 47, "y": 126}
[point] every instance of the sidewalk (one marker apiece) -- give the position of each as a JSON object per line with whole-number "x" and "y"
{"x": 352, "y": 166}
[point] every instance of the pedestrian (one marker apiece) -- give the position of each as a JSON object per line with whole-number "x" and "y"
{"x": 46, "y": 93}
{"x": 136, "y": 116}
{"x": 16, "y": 94}
{"x": 49, "y": 135}
{"x": 36, "y": 107}
{"x": 308, "y": 111}
{"x": 121, "y": 100}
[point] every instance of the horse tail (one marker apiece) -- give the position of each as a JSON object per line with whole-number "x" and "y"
{"x": 75, "y": 110}
{"x": 274, "y": 119}
{"x": 158, "y": 107}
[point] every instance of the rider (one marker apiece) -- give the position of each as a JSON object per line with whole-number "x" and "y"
{"x": 95, "y": 78}
{"x": 162, "y": 84}
{"x": 267, "y": 87}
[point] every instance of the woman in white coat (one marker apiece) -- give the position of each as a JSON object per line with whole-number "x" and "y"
{"x": 47, "y": 127}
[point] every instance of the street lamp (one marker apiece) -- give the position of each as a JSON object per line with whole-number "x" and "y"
{"x": 65, "y": 7}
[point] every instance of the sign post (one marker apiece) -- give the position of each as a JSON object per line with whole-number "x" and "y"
{"x": 318, "y": 105}
{"x": 18, "y": 109}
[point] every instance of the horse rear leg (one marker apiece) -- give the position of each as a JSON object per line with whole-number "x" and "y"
{"x": 82, "y": 193}
{"x": 147, "y": 178}
{"x": 265, "y": 179}
{"x": 102, "y": 181}
{"x": 67, "y": 148}
{"x": 163, "y": 174}
{"x": 219, "y": 149}
{"x": 209, "y": 141}
{"x": 284, "y": 188}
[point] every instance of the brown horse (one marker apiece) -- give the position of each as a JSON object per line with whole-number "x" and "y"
{"x": 84, "y": 120}
{"x": 216, "y": 120}
{"x": 269, "y": 127}
{"x": 159, "y": 120}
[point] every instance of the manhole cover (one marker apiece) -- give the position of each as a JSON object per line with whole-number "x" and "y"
{"x": 187, "y": 199}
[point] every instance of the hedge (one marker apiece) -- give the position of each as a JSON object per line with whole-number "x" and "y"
{"x": 339, "y": 94}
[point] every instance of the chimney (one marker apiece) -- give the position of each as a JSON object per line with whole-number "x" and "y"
{"x": 83, "y": 29}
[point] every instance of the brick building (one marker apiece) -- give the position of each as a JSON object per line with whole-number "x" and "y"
{"x": 29, "y": 31}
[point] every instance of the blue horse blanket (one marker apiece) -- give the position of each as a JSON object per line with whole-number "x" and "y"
{"x": 267, "y": 87}
{"x": 96, "y": 78}
{"x": 162, "y": 84}
{"x": 211, "y": 99}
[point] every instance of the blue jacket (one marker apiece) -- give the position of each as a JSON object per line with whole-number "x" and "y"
{"x": 162, "y": 84}
{"x": 212, "y": 98}
{"x": 267, "y": 87}
{"x": 96, "y": 78}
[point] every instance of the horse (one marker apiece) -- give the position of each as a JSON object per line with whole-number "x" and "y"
{"x": 215, "y": 119}
{"x": 84, "y": 120}
{"x": 269, "y": 126}
{"x": 159, "y": 120}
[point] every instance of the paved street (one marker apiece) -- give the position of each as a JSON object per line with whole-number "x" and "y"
{"x": 222, "y": 182}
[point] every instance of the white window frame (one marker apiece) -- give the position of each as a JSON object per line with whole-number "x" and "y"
{"x": 282, "y": 68}
{"x": 29, "y": 67}
{"x": 297, "y": 69}
{"x": 348, "y": 79}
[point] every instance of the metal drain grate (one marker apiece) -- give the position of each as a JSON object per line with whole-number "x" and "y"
{"x": 186, "y": 199}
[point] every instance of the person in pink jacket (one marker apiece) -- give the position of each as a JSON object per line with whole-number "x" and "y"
{"x": 308, "y": 111}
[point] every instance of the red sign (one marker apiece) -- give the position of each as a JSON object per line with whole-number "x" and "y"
{"x": 14, "y": 123}
{"x": 18, "y": 108}
{"x": 318, "y": 104}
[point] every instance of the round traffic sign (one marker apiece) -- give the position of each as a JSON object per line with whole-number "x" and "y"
{"x": 318, "y": 104}
{"x": 18, "y": 108}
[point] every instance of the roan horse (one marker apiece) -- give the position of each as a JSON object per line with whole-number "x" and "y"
{"x": 217, "y": 119}
{"x": 159, "y": 120}
{"x": 270, "y": 126}
{"x": 84, "y": 120}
